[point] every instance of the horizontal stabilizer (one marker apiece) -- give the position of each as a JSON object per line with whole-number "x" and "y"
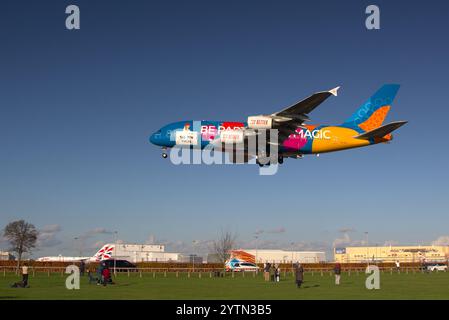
{"x": 381, "y": 131}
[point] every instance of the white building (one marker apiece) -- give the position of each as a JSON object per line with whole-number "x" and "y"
{"x": 143, "y": 253}
{"x": 284, "y": 256}
{"x": 5, "y": 256}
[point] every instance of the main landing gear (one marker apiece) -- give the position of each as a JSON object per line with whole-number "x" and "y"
{"x": 280, "y": 161}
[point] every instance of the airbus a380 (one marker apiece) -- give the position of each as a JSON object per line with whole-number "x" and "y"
{"x": 295, "y": 137}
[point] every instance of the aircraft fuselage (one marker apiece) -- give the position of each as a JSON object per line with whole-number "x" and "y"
{"x": 308, "y": 139}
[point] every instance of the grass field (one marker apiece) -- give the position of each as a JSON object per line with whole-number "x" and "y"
{"x": 393, "y": 286}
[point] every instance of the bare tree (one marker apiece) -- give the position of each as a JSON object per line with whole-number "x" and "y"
{"x": 22, "y": 236}
{"x": 223, "y": 245}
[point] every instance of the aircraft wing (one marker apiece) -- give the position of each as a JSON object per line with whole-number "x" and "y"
{"x": 300, "y": 109}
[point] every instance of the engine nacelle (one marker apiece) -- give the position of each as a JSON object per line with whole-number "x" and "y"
{"x": 260, "y": 122}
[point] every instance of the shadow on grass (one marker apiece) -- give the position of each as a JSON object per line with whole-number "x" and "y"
{"x": 311, "y": 286}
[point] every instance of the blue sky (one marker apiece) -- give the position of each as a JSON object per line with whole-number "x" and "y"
{"x": 77, "y": 107}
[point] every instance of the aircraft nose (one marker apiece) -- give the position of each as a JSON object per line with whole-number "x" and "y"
{"x": 155, "y": 138}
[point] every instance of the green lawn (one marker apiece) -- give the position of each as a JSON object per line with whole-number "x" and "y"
{"x": 393, "y": 286}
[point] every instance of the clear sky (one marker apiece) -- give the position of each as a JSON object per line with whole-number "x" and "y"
{"x": 77, "y": 108}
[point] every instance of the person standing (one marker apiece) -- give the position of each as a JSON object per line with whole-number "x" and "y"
{"x": 100, "y": 268}
{"x": 277, "y": 273}
{"x": 337, "y": 271}
{"x": 106, "y": 275}
{"x": 398, "y": 265}
{"x": 267, "y": 271}
{"x": 272, "y": 271}
{"x": 299, "y": 274}
{"x": 25, "y": 275}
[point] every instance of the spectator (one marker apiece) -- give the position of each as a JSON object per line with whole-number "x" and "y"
{"x": 398, "y": 265}
{"x": 106, "y": 276}
{"x": 272, "y": 271}
{"x": 277, "y": 273}
{"x": 266, "y": 271}
{"x": 25, "y": 275}
{"x": 337, "y": 271}
{"x": 100, "y": 272}
{"x": 299, "y": 274}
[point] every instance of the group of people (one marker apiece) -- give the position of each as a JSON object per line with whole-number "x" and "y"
{"x": 103, "y": 275}
{"x": 299, "y": 274}
{"x": 271, "y": 272}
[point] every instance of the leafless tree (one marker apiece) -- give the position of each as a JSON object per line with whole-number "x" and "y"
{"x": 22, "y": 236}
{"x": 223, "y": 245}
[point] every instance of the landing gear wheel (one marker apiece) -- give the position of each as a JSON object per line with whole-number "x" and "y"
{"x": 164, "y": 155}
{"x": 280, "y": 159}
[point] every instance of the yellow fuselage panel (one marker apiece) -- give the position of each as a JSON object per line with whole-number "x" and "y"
{"x": 337, "y": 138}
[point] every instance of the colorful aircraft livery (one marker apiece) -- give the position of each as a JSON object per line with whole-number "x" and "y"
{"x": 240, "y": 260}
{"x": 295, "y": 138}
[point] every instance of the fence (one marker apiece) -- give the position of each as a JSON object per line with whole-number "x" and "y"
{"x": 208, "y": 272}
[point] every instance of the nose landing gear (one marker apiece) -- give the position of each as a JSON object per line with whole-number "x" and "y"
{"x": 164, "y": 154}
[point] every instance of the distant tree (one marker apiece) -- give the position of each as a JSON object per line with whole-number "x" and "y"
{"x": 223, "y": 245}
{"x": 22, "y": 236}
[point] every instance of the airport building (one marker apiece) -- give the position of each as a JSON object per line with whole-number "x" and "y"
{"x": 391, "y": 254}
{"x": 191, "y": 258}
{"x": 143, "y": 253}
{"x": 284, "y": 256}
{"x": 6, "y": 256}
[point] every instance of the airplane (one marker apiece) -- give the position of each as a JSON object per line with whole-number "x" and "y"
{"x": 104, "y": 253}
{"x": 295, "y": 138}
{"x": 240, "y": 260}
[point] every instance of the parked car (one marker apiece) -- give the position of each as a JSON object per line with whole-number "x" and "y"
{"x": 120, "y": 265}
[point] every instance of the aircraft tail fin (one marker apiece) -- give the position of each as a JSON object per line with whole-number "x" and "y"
{"x": 383, "y": 132}
{"x": 373, "y": 112}
{"x": 104, "y": 253}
